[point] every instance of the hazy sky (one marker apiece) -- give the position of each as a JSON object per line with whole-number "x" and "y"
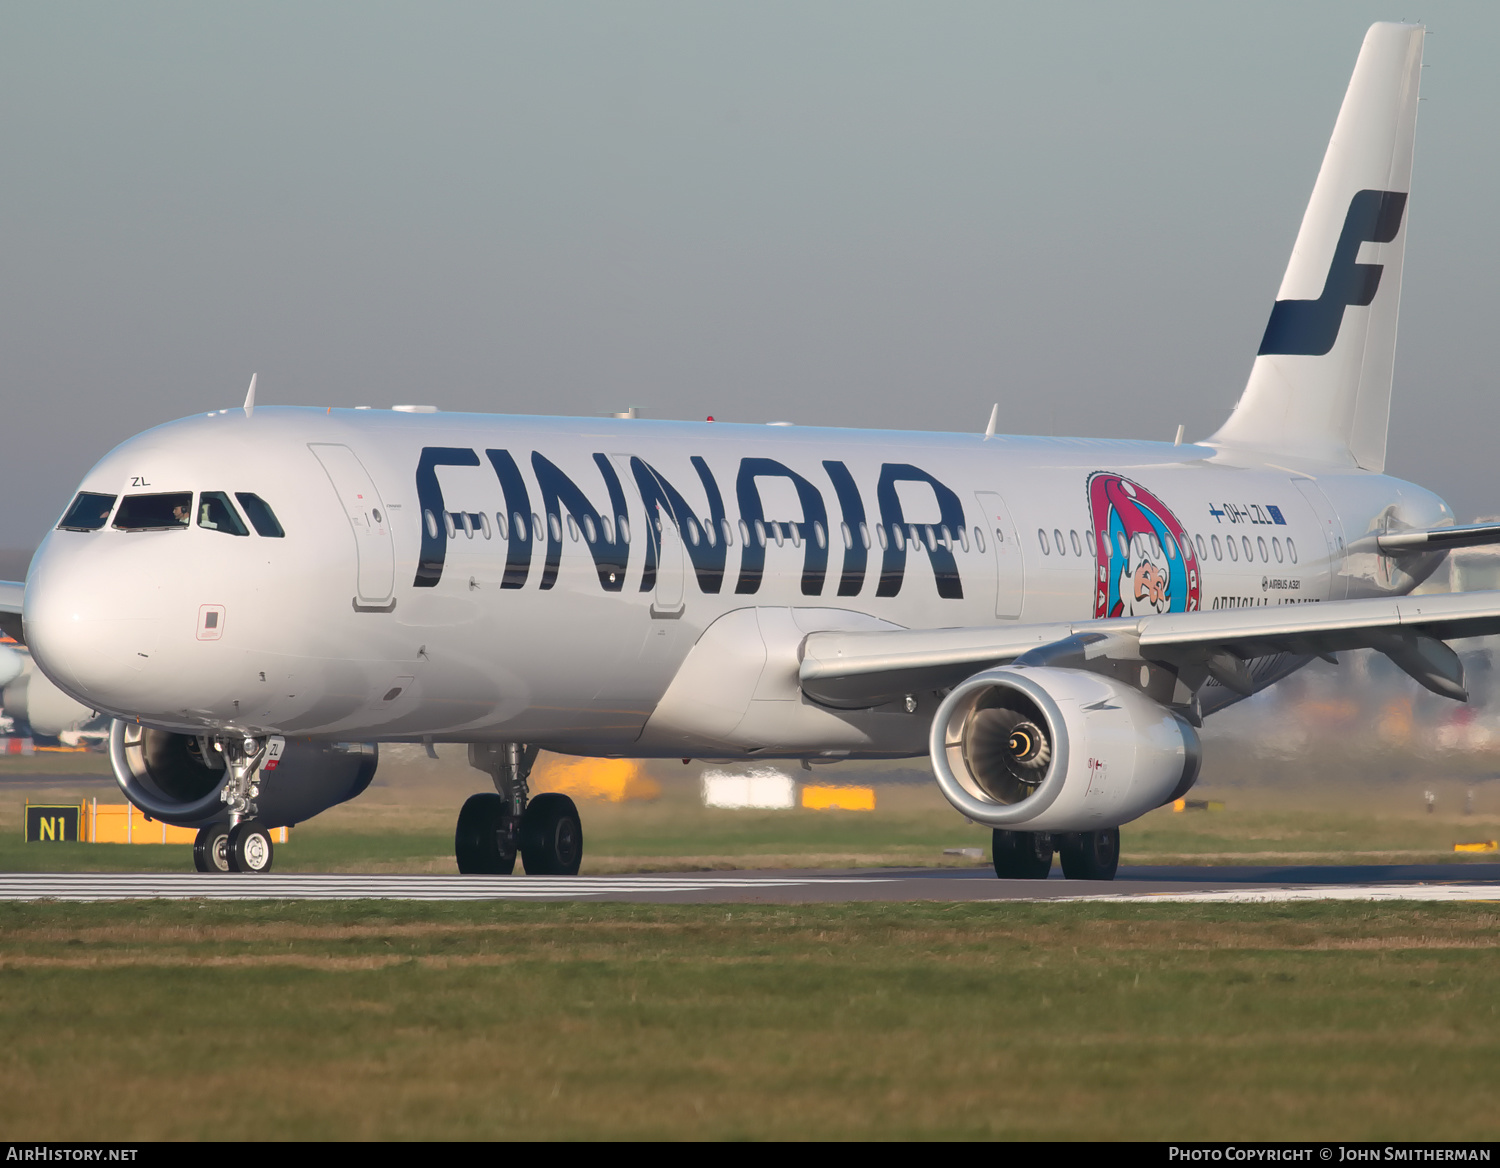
{"x": 853, "y": 214}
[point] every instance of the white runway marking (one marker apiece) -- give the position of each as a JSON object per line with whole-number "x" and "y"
{"x": 1470, "y": 892}
{"x": 192, "y": 885}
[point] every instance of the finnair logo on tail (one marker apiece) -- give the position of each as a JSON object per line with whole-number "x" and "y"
{"x": 1310, "y": 327}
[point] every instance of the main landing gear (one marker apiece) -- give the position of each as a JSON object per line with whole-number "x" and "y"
{"x": 1085, "y": 855}
{"x": 493, "y": 828}
{"x": 242, "y": 844}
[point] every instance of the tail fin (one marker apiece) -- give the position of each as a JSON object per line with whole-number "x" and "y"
{"x": 1320, "y": 388}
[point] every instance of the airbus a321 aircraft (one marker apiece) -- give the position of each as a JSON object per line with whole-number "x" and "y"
{"x": 261, "y": 595}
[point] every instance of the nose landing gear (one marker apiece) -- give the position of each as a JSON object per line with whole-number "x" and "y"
{"x": 492, "y": 828}
{"x": 211, "y": 848}
{"x": 242, "y": 844}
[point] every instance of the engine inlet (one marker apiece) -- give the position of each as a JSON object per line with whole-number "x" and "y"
{"x": 1006, "y": 747}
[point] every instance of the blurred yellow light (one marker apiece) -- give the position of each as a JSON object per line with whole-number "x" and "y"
{"x": 614, "y": 779}
{"x": 839, "y": 798}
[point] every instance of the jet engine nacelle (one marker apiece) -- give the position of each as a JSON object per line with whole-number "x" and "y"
{"x": 177, "y": 777}
{"x": 1058, "y": 750}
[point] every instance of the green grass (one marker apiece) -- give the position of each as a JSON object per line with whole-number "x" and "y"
{"x": 911, "y": 827}
{"x": 516, "y": 1021}
{"x": 404, "y": 823}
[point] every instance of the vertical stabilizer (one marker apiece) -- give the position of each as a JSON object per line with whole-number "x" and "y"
{"x": 1320, "y": 388}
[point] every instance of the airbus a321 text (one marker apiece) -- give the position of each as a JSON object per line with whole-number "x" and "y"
{"x": 260, "y": 596}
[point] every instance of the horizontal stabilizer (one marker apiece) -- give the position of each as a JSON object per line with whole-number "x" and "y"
{"x": 1439, "y": 539}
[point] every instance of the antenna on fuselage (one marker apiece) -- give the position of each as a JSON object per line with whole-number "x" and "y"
{"x": 989, "y": 431}
{"x": 250, "y": 396}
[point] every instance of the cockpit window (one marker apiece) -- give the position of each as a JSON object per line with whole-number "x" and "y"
{"x": 217, "y": 513}
{"x": 261, "y": 517}
{"x": 88, "y": 512}
{"x": 155, "y": 512}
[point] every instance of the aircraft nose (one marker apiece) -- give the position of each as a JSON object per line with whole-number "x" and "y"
{"x": 93, "y": 623}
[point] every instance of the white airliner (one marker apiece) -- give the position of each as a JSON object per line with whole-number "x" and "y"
{"x": 261, "y": 595}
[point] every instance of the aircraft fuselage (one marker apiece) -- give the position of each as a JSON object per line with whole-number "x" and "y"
{"x": 468, "y": 577}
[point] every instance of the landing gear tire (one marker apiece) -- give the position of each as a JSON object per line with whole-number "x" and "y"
{"x": 483, "y": 843}
{"x": 1022, "y": 855}
{"x": 1090, "y": 855}
{"x": 211, "y": 848}
{"x": 248, "y": 847}
{"x": 551, "y": 836}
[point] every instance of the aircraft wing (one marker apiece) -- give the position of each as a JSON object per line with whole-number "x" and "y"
{"x": 855, "y": 669}
{"x": 11, "y": 593}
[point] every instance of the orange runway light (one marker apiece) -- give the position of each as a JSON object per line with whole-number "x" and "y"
{"x": 838, "y": 798}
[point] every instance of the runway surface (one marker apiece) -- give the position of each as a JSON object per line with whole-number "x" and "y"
{"x": 1459, "y": 882}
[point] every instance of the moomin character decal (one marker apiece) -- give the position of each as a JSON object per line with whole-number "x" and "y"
{"x": 1145, "y": 560}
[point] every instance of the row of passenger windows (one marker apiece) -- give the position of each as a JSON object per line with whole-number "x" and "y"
{"x": 928, "y": 535}
{"x": 170, "y": 510}
{"x": 1168, "y": 546}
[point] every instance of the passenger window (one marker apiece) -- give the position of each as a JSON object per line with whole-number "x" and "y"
{"x": 154, "y": 512}
{"x": 1249, "y": 555}
{"x": 262, "y": 518}
{"x": 760, "y": 534}
{"x": 708, "y": 531}
{"x": 1260, "y": 541}
{"x": 820, "y": 537}
{"x": 1058, "y": 540}
{"x": 847, "y": 534}
{"x": 1233, "y": 552}
{"x": 880, "y": 535}
{"x": 1041, "y": 538}
{"x": 572, "y": 529}
{"x": 1171, "y": 545}
{"x": 88, "y": 512}
{"x": 484, "y": 523}
{"x": 1202, "y": 550}
{"x": 864, "y": 535}
{"x": 451, "y": 526}
{"x": 1276, "y": 547}
{"x": 978, "y": 540}
{"x": 590, "y": 532}
{"x": 1218, "y": 553}
{"x": 217, "y": 513}
{"x": 500, "y": 528}
{"x": 963, "y": 538}
{"x": 1077, "y": 547}
{"x": 692, "y": 531}
{"x": 1291, "y": 549}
